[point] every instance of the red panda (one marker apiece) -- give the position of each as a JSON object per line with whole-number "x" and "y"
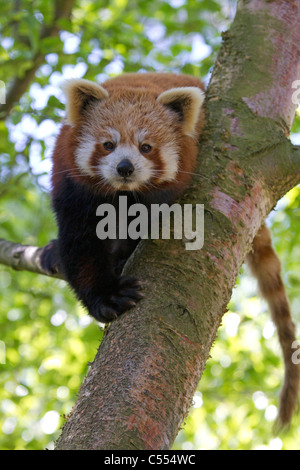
{"x": 136, "y": 135}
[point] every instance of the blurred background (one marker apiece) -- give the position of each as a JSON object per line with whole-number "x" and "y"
{"x": 46, "y": 338}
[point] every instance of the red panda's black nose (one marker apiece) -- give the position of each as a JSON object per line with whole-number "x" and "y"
{"x": 125, "y": 168}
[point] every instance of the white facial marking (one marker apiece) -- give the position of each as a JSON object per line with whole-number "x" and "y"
{"x": 83, "y": 154}
{"x": 170, "y": 157}
{"x": 142, "y": 168}
{"x": 112, "y": 135}
{"x": 141, "y": 136}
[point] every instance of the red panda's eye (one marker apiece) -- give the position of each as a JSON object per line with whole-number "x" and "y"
{"x": 146, "y": 148}
{"x": 109, "y": 146}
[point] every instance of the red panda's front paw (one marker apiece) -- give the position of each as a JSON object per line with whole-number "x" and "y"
{"x": 126, "y": 296}
{"x": 49, "y": 258}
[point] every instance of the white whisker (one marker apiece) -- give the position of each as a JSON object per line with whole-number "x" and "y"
{"x": 180, "y": 171}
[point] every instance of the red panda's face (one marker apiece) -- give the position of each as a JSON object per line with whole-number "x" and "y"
{"x": 130, "y": 140}
{"x": 131, "y": 148}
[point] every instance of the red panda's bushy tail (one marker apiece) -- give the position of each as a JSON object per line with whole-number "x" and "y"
{"x": 265, "y": 266}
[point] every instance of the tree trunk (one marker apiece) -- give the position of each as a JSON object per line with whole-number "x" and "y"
{"x": 141, "y": 384}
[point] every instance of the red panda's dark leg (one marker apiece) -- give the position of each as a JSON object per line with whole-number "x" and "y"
{"x": 86, "y": 261}
{"x": 96, "y": 284}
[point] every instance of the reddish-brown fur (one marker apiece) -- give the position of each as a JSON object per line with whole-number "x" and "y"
{"x": 131, "y": 97}
{"x": 266, "y": 267}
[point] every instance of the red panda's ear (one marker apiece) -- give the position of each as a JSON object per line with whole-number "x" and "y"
{"x": 187, "y": 102}
{"x": 79, "y": 93}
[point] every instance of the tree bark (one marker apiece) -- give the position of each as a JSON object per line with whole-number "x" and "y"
{"x": 141, "y": 384}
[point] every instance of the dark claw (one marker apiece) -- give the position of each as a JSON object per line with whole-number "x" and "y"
{"x": 122, "y": 299}
{"x": 103, "y": 312}
{"x": 130, "y": 282}
{"x": 122, "y": 303}
{"x": 134, "y": 294}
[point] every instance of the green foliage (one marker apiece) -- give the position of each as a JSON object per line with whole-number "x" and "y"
{"x": 46, "y": 338}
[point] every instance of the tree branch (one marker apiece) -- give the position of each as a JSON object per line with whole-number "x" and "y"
{"x": 281, "y": 166}
{"x": 63, "y": 9}
{"x": 295, "y": 157}
{"x": 23, "y": 257}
